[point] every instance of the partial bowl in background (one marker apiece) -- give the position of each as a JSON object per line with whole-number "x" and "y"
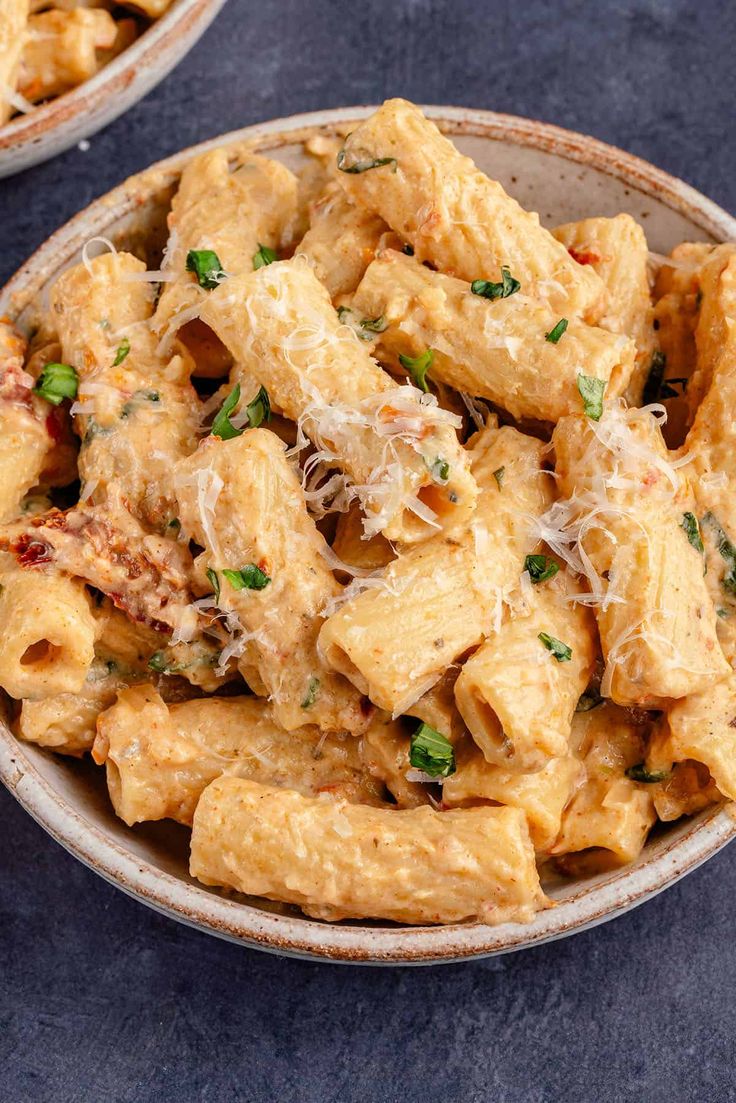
{"x": 564, "y": 176}
{"x": 56, "y": 126}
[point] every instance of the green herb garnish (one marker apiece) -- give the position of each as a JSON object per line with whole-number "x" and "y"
{"x": 540, "y": 567}
{"x": 206, "y": 266}
{"x": 560, "y": 650}
{"x": 589, "y": 700}
{"x": 264, "y": 256}
{"x": 556, "y": 332}
{"x": 653, "y": 385}
{"x": 360, "y": 161}
{"x": 726, "y": 550}
{"x": 418, "y": 367}
{"x": 591, "y": 391}
{"x": 689, "y": 525}
{"x": 431, "y": 752}
{"x": 174, "y": 523}
{"x": 259, "y": 410}
{"x": 214, "y": 582}
{"x": 498, "y": 475}
{"x": 639, "y": 772}
{"x": 311, "y": 694}
{"x": 222, "y": 426}
{"x": 366, "y": 327}
{"x": 487, "y": 289}
{"x": 158, "y": 663}
{"x": 123, "y": 350}
{"x": 57, "y": 382}
{"x": 247, "y": 578}
{"x": 439, "y": 470}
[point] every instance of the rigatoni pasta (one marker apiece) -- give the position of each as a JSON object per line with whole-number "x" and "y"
{"x": 380, "y": 576}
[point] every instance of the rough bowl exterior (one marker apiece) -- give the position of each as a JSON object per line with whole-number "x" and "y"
{"x": 58, "y": 125}
{"x": 564, "y": 176}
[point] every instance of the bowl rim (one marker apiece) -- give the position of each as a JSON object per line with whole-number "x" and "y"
{"x": 246, "y": 924}
{"x": 135, "y": 66}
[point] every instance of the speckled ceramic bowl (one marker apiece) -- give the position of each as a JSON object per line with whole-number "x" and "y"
{"x": 562, "y": 175}
{"x": 65, "y": 120}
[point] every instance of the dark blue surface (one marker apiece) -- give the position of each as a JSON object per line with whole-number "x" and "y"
{"x": 101, "y": 999}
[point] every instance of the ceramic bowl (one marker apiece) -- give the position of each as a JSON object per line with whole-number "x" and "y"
{"x": 58, "y": 125}
{"x": 562, "y": 175}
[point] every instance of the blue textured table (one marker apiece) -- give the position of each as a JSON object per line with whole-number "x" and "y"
{"x": 100, "y": 999}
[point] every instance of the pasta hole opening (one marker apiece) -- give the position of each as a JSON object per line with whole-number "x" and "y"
{"x": 40, "y": 653}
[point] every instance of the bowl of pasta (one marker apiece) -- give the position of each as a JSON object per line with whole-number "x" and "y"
{"x": 366, "y": 563}
{"x": 70, "y": 67}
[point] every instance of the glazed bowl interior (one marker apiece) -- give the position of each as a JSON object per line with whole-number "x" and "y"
{"x": 564, "y": 177}
{"x": 56, "y": 126}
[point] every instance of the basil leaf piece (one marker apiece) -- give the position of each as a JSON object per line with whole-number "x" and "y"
{"x": 726, "y": 550}
{"x": 439, "y": 470}
{"x": 653, "y": 385}
{"x": 560, "y": 650}
{"x": 222, "y": 426}
{"x": 264, "y": 257}
{"x": 259, "y": 410}
{"x": 588, "y": 701}
{"x": 363, "y": 329}
{"x": 498, "y": 475}
{"x": 418, "y": 367}
{"x": 540, "y": 567}
{"x": 57, "y": 382}
{"x": 375, "y": 325}
{"x": 311, "y": 694}
{"x": 556, "y": 332}
{"x": 158, "y": 663}
{"x": 591, "y": 391}
{"x": 487, "y": 289}
{"x": 123, "y": 350}
{"x": 214, "y": 582}
{"x": 639, "y": 772}
{"x": 431, "y": 752}
{"x": 247, "y": 578}
{"x": 355, "y": 161}
{"x": 691, "y": 528}
{"x": 207, "y": 268}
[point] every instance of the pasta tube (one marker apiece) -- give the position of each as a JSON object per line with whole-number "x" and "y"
{"x": 337, "y": 860}
{"x": 13, "y": 38}
{"x": 48, "y": 633}
{"x": 63, "y": 50}
{"x": 455, "y": 216}
{"x": 341, "y": 241}
{"x": 541, "y": 796}
{"x": 610, "y": 815}
{"x": 516, "y": 696}
{"x": 439, "y": 600}
{"x": 496, "y": 350}
{"x": 242, "y": 501}
{"x": 616, "y": 248}
{"x": 397, "y": 448}
{"x": 159, "y": 759}
{"x": 233, "y": 213}
{"x": 628, "y": 523}
{"x": 385, "y": 752}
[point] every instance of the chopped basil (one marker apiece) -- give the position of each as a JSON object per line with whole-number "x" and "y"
{"x": 689, "y": 525}
{"x": 639, "y": 772}
{"x": 560, "y": 650}
{"x": 214, "y": 582}
{"x": 57, "y": 382}
{"x": 259, "y": 410}
{"x": 487, "y": 289}
{"x": 726, "y": 550}
{"x": 158, "y": 663}
{"x": 418, "y": 367}
{"x": 123, "y": 350}
{"x": 222, "y": 426}
{"x": 556, "y": 332}
{"x": 440, "y": 470}
{"x": 431, "y": 752}
{"x": 540, "y": 567}
{"x": 247, "y": 578}
{"x": 355, "y": 161}
{"x": 723, "y": 613}
{"x": 206, "y": 266}
{"x": 498, "y": 475}
{"x": 365, "y": 328}
{"x": 653, "y": 385}
{"x": 589, "y": 700}
{"x": 264, "y": 256}
{"x": 133, "y": 403}
{"x": 591, "y": 391}
{"x": 174, "y": 523}
{"x": 311, "y": 694}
